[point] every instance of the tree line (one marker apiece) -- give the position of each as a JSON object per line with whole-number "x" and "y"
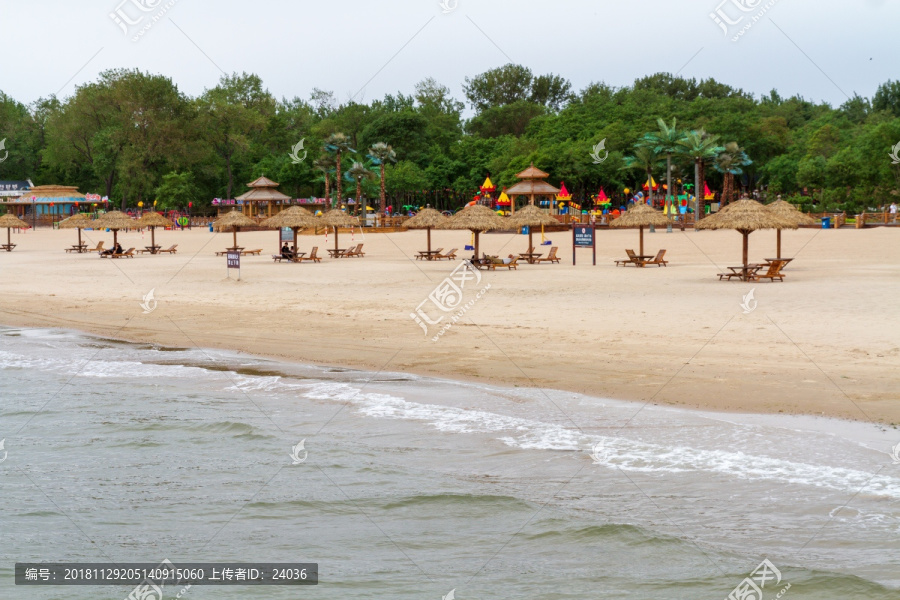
{"x": 135, "y": 137}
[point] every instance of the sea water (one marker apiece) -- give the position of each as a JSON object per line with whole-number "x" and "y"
{"x": 409, "y": 487}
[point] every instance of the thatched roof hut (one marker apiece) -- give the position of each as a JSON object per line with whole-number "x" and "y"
{"x": 476, "y": 219}
{"x": 746, "y": 216}
{"x": 531, "y": 185}
{"x": 233, "y": 221}
{"x": 790, "y": 212}
{"x": 337, "y": 218}
{"x": 262, "y": 190}
{"x": 640, "y": 215}
{"x": 428, "y": 219}
{"x": 115, "y": 220}
{"x": 153, "y": 220}
{"x": 11, "y": 222}
{"x": 531, "y": 216}
{"x": 296, "y": 218}
{"x": 79, "y": 221}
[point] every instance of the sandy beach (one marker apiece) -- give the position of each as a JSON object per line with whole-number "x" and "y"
{"x": 824, "y": 342}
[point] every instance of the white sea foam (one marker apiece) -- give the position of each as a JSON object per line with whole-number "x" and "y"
{"x": 619, "y": 452}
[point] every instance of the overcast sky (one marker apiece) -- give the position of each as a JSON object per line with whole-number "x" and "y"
{"x": 823, "y": 50}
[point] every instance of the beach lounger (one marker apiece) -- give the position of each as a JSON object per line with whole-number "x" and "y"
{"x": 632, "y": 260}
{"x": 171, "y": 250}
{"x": 551, "y": 258}
{"x": 312, "y": 256}
{"x": 99, "y": 248}
{"x": 357, "y": 252}
{"x": 772, "y": 274}
{"x": 256, "y": 252}
{"x": 658, "y": 261}
{"x": 493, "y": 266}
{"x": 424, "y": 255}
{"x": 127, "y": 254}
{"x": 449, "y": 256}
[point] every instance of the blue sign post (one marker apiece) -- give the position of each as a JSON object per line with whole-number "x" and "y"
{"x": 583, "y": 237}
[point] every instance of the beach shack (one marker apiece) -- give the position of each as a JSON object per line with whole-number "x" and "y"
{"x": 42, "y": 202}
{"x": 532, "y": 185}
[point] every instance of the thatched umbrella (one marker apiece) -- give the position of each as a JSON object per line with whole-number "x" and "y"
{"x": 295, "y": 217}
{"x": 233, "y": 221}
{"x": 79, "y": 222}
{"x": 476, "y": 219}
{"x": 11, "y": 222}
{"x": 153, "y": 220}
{"x": 115, "y": 220}
{"x": 790, "y": 212}
{"x": 640, "y": 215}
{"x": 427, "y": 219}
{"x": 531, "y": 216}
{"x": 337, "y": 218}
{"x": 745, "y": 216}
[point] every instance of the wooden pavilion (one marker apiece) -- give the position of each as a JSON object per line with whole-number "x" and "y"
{"x": 261, "y": 191}
{"x": 532, "y": 184}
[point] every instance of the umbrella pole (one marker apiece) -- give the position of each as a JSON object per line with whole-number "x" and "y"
{"x": 8, "y": 236}
{"x": 79, "y": 236}
{"x": 778, "y": 255}
{"x": 235, "y": 237}
{"x": 153, "y": 239}
{"x": 296, "y": 229}
{"x": 429, "y": 240}
{"x": 115, "y": 238}
{"x": 530, "y": 242}
{"x": 476, "y": 243}
{"x": 642, "y": 239}
{"x": 746, "y": 246}
{"x": 335, "y": 239}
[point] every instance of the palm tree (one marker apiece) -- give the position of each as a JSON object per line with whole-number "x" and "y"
{"x": 359, "y": 172}
{"x": 382, "y": 153}
{"x": 338, "y": 143}
{"x": 729, "y": 162}
{"x": 700, "y": 147}
{"x": 665, "y": 141}
{"x": 326, "y": 165}
{"x": 646, "y": 159}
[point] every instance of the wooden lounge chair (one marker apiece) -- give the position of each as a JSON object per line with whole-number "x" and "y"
{"x": 357, "y": 252}
{"x": 772, "y": 274}
{"x": 127, "y": 254}
{"x": 312, "y": 256}
{"x": 493, "y": 266}
{"x": 256, "y": 252}
{"x": 449, "y": 256}
{"x": 551, "y": 258}
{"x": 423, "y": 254}
{"x": 658, "y": 261}
{"x": 171, "y": 250}
{"x": 99, "y": 248}
{"x": 632, "y": 260}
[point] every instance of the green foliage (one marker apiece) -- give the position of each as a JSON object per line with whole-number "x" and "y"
{"x": 134, "y": 136}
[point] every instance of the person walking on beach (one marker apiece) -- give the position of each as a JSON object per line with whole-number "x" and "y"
{"x": 893, "y": 212}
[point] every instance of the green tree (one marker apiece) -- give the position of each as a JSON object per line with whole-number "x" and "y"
{"x": 175, "y": 191}
{"x": 646, "y": 159}
{"x": 338, "y": 143}
{"x": 731, "y": 162}
{"x": 665, "y": 141}
{"x": 383, "y": 154}
{"x": 701, "y": 148}
{"x": 359, "y": 172}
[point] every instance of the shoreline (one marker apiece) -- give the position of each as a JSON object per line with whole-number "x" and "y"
{"x": 672, "y": 336}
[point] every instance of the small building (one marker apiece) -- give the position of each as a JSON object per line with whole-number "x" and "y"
{"x": 12, "y": 191}
{"x": 532, "y": 185}
{"x": 262, "y": 191}
{"x": 45, "y": 202}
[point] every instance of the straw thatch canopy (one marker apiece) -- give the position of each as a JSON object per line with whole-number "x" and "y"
{"x": 295, "y": 217}
{"x": 428, "y": 218}
{"x": 115, "y": 220}
{"x": 476, "y": 218}
{"x": 12, "y": 222}
{"x": 232, "y": 220}
{"x": 154, "y": 219}
{"x": 745, "y": 215}
{"x": 789, "y": 211}
{"x": 640, "y": 215}
{"x": 531, "y": 216}
{"x": 79, "y": 221}
{"x": 338, "y": 218}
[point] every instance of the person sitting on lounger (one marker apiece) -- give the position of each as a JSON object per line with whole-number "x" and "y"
{"x": 286, "y": 252}
{"x": 117, "y": 249}
{"x": 504, "y": 261}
